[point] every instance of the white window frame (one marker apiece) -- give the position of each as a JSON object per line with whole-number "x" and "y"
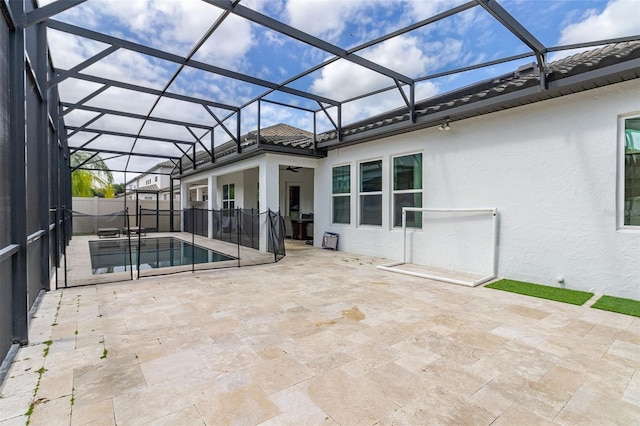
{"x": 395, "y": 192}
{"x": 620, "y": 219}
{"x": 362, "y": 193}
{"x": 229, "y": 203}
{"x": 335, "y": 195}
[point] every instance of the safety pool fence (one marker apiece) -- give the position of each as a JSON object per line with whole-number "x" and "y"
{"x": 150, "y": 243}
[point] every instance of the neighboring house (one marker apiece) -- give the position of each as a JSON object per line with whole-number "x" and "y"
{"x": 153, "y": 184}
{"x": 557, "y": 158}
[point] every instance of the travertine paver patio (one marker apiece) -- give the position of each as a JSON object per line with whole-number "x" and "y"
{"x": 320, "y": 338}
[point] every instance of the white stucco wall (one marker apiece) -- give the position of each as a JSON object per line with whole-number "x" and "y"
{"x": 250, "y": 193}
{"x": 551, "y": 170}
{"x": 164, "y": 181}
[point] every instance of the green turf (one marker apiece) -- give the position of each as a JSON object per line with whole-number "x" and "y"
{"x": 619, "y": 305}
{"x": 542, "y": 291}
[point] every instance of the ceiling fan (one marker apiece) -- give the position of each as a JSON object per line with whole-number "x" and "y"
{"x": 292, "y": 169}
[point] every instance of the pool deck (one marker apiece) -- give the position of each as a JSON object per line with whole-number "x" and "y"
{"x": 320, "y": 338}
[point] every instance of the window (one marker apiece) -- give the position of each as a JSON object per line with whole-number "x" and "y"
{"x": 228, "y": 196}
{"x": 156, "y": 178}
{"x": 341, "y": 189}
{"x": 371, "y": 193}
{"x": 294, "y": 201}
{"x": 407, "y": 189}
{"x": 632, "y": 172}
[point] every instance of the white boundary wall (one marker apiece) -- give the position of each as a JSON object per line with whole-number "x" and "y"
{"x": 96, "y": 206}
{"x": 549, "y": 168}
{"x": 100, "y": 206}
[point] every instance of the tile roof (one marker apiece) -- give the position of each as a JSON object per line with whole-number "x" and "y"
{"x": 167, "y": 163}
{"x": 149, "y": 188}
{"x": 525, "y": 77}
{"x": 277, "y": 135}
{"x": 283, "y": 130}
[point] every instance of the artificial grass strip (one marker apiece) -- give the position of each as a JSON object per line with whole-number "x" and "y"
{"x": 619, "y": 305}
{"x": 574, "y": 297}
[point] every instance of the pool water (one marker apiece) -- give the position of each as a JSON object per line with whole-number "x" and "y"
{"x": 109, "y": 256}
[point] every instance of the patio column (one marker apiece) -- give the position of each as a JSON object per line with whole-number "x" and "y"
{"x": 269, "y": 186}
{"x": 184, "y": 202}
{"x": 212, "y": 202}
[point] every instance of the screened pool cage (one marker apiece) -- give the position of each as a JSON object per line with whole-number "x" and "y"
{"x": 42, "y": 238}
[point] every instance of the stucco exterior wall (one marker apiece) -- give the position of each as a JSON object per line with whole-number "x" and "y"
{"x": 549, "y": 168}
{"x": 250, "y": 192}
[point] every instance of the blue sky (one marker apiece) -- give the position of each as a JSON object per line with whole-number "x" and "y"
{"x": 468, "y": 38}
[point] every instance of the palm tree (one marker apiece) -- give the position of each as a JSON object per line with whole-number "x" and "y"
{"x": 84, "y": 181}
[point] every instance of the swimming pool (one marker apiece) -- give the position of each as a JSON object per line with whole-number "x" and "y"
{"x": 109, "y": 256}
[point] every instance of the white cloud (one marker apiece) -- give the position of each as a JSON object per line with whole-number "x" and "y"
{"x": 173, "y": 26}
{"x": 421, "y": 9}
{"x": 182, "y": 111}
{"x": 69, "y": 51}
{"x": 273, "y": 38}
{"x": 124, "y": 100}
{"x": 343, "y": 79}
{"x": 383, "y": 102}
{"x": 134, "y": 68}
{"x": 229, "y": 45}
{"x": 329, "y": 19}
{"x": 323, "y": 18}
{"x": 619, "y": 18}
{"x": 159, "y": 22}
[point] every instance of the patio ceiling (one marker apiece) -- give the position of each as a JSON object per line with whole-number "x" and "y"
{"x": 141, "y": 82}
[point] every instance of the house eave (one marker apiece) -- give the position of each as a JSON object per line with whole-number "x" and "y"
{"x": 600, "y": 77}
{"x": 250, "y": 152}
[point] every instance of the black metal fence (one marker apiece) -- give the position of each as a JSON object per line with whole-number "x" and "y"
{"x": 276, "y": 235}
{"x": 86, "y": 224}
{"x": 237, "y": 226}
{"x": 157, "y": 220}
{"x": 196, "y": 221}
{"x": 125, "y": 246}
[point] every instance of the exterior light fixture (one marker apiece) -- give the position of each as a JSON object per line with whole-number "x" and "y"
{"x": 445, "y": 125}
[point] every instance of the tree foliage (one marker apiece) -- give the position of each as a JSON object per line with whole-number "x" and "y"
{"x": 94, "y": 178}
{"x": 118, "y": 188}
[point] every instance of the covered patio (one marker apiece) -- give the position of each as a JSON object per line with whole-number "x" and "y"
{"x": 322, "y": 337}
